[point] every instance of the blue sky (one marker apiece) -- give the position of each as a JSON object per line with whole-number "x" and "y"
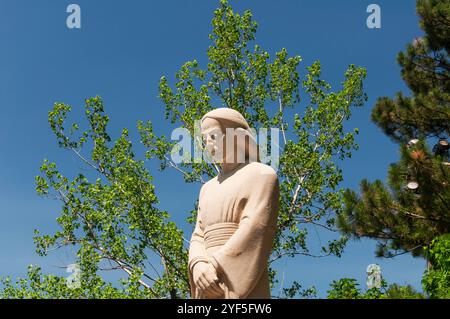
{"x": 120, "y": 53}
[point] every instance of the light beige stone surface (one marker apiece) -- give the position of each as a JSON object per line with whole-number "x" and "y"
{"x": 236, "y": 221}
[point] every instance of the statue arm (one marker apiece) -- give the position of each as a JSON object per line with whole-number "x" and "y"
{"x": 244, "y": 257}
{"x": 197, "y": 250}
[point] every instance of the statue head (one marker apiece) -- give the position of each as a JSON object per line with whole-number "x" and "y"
{"x": 227, "y": 137}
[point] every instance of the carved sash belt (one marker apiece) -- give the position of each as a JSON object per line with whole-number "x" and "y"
{"x": 218, "y": 234}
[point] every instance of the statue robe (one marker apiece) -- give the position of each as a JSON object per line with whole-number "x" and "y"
{"x": 236, "y": 225}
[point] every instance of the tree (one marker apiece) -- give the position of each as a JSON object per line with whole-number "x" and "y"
{"x": 113, "y": 218}
{"x": 348, "y": 288}
{"x": 436, "y": 279}
{"x": 396, "y": 291}
{"x": 345, "y": 288}
{"x": 414, "y": 208}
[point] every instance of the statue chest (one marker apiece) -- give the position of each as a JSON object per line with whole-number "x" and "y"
{"x": 223, "y": 202}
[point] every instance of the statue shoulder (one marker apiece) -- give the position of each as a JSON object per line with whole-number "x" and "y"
{"x": 207, "y": 185}
{"x": 264, "y": 171}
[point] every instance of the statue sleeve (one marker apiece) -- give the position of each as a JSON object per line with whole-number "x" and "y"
{"x": 244, "y": 258}
{"x": 197, "y": 251}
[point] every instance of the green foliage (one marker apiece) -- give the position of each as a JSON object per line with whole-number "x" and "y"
{"x": 348, "y": 288}
{"x": 345, "y": 288}
{"x": 405, "y": 218}
{"x": 111, "y": 220}
{"x": 400, "y": 218}
{"x": 39, "y": 286}
{"x": 436, "y": 279}
{"x": 396, "y": 291}
{"x": 296, "y": 290}
{"x": 425, "y": 69}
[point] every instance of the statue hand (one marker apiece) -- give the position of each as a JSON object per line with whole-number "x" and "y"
{"x": 205, "y": 278}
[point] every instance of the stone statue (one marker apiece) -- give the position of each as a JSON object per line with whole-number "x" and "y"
{"x": 237, "y": 215}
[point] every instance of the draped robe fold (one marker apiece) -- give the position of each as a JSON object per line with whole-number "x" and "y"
{"x": 236, "y": 225}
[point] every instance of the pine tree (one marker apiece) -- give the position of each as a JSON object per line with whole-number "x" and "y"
{"x": 414, "y": 208}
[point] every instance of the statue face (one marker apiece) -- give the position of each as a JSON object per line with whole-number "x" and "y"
{"x": 213, "y": 137}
